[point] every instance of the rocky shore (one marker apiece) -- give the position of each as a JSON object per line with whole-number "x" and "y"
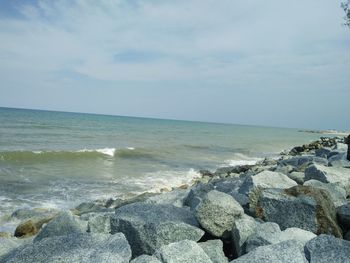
{"x": 292, "y": 209}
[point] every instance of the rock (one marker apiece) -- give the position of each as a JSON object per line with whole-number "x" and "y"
{"x": 214, "y": 249}
{"x": 242, "y": 229}
{"x": 182, "y": 252}
{"x": 116, "y": 203}
{"x": 305, "y": 207}
{"x": 147, "y": 227}
{"x": 347, "y": 236}
{"x": 217, "y": 213}
{"x": 175, "y": 197}
{"x": 285, "y": 169}
{"x": 84, "y": 248}
{"x": 264, "y": 234}
{"x": 89, "y": 207}
{"x": 62, "y": 224}
{"x": 8, "y": 244}
{"x": 226, "y": 171}
{"x": 99, "y": 223}
{"x": 145, "y": 259}
{"x": 325, "y": 249}
{"x": 340, "y": 163}
{"x": 337, "y": 175}
{"x": 196, "y": 194}
{"x": 323, "y": 152}
{"x": 298, "y": 177}
{"x": 30, "y": 227}
{"x": 299, "y": 161}
{"x": 253, "y": 185}
{"x": 337, "y": 193}
{"x": 343, "y": 213}
{"x": 293, "y": 233}
{"x": 288, "y": 251}
{"x": 342, "y": 147}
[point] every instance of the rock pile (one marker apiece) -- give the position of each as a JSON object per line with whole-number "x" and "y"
{"x": 294, "y": 209}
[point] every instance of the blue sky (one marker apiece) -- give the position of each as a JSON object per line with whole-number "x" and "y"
{"x": 272, "y": 63}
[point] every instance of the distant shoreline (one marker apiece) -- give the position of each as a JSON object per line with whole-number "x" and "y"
{"x": 328, "y": 132}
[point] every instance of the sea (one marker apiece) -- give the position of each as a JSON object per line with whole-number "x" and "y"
{"x": 58, "y": 160}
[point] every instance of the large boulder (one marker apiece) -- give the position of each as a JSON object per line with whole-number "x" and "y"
{"x": 264, "y": 234}
{"x": 84, "y": 248}
{"x": 98, "y": 222}
{"x": 325, "y": 249}
{"x": 294, "y": 233}
{"x": 62, "y": 224}
{"x": 9, "y": 243}
{"x": 217, "y": 213}
{"x": 287, "y": 251}
{"x": 337, "y": 193}
{"x": 299, "y": 161}
{"x": 149, "y": 226}
{"x": 175, "y": 197}
{"x": 182, "y": 252}
{"x": 337, "y": 175}
{"x": 305, "y": 207}
{"x": 196, "y": 194}
{"x": 242, "y": 229}
{"x": 253, "y": 185}
{"x": 214, "y": 249}
{"x": 145, "y": 259}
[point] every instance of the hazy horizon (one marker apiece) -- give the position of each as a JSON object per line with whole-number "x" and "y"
{"x": 274, "y": 64}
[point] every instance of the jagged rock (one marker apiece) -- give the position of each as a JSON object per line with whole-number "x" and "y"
{"x": 149, "y": 226}
{"x": 217, "y": 213}
{"x": 299, "y": 161}
{"x": 297, "y": 234}
{"x": 337, "y": 193}
{"x": 175, "y": 197}
{"x": 287, "y": 251}
{"x": 298, "y": 177}
{"x": 196, "y": 194}
{"x": 242, "y": 229}
{"x": 343, "y": 213}
{"x": 337, "y": 175}
{"x": 214, "y": 249}
{"x": 145, "y": 259}
{"x": 305, "y": 207}
{"x": 264, "y": 234}
{"x": 62, "y": 224}
{"x": 253, "y": 185}
{"x": 325, "y": 249}
{"x": 99, "y": 222}
{"x": 182, "y": 252}
{"x": 84, "y": 248}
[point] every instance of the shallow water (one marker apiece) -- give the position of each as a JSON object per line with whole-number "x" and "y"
{"x": 57, "y": 159}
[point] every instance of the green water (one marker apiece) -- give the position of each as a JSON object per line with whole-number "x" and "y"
{"x": 57, "y": 159}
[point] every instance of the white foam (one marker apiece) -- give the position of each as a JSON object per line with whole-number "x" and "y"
{"x": 105, "y": 151}
{"x": 241, "y": 159}
{"x": 130, "y": 148}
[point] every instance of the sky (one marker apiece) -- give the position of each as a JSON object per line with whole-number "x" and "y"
{"x": 271, "y": 63}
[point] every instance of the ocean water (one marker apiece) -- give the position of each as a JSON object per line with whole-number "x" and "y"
{"x": 58, "y": 160}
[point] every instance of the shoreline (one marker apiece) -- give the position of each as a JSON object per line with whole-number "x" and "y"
{"x": 289, "y": 170}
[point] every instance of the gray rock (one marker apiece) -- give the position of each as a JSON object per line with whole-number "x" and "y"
{"x": 85, "y": 248}
{"x": 340, "y": 163}
{"x": 182, "y": 252}
{"x": 145, "y": 259}
{"x": 347, "y": 236}
{"x": 305, "y": 207}
{"x": 343, "y": 213}
{"x": 337, "y": 193}
{"x": 325, "y": 249}
{"x": 323, "y": 152}
{"x": 62, "y": 224}
{"x": 288, "y": 251}
{"x": 342, "y": 147}
{"x": 99, "y": 223}
{"x": 242, "y": 229}
{"x": 264, "y": 234}
{"x": 285, "y": 169}
{"x": 149, "y": 226}
{"x": 299, "y": 161}
{"x": 89, "y": 207}
{"x": 116, "y": 203}
{"x": 196, "y": 194}
{"x": 9, "y": 243}
{"x": 217, "y": 213}
{"x": 298, "y": 177}
{"x": 297, "y": 234}
{"x": 214, "y": 249}
{"x": 175, "y": 197}
{"x": 337, "y": 175}
{"x": 231, "y": 186}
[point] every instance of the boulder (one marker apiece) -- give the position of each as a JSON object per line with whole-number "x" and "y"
{"x": 264, "y": 234}
{"x": 31, "y": 227}
{"x": 99, "y": 222}
{"x": 175, "y": 197}
{"x": 62, "y": 224}
{"x": 337, "y": 193}
{"x": 8, "y": 244}
{"x": 343, "y": 213}
{"x": 147, "y": 227}
{"x": 253, "y": 185}
{"x": 323, "y": 152}
{"x": 298, "y": 177}
{"x": 325, "y": 249}
{"x": 214, "y": 249}
{"x": 89, "y": 207}
{"x": 305, "y": 207}
{"x": 287, "y": 251}
{"x": 293, "y": 233}
{"x": 145, "y": 259}
{"x": 196, "y": 194}
{"x": 184, "y": 251}
{"x": 242, "y": 229}
{"x": 300, "y": 161}
{"x": 84, "y": 248}
{"x": 337, "y": 175}
{"x": 217, "y": 213}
